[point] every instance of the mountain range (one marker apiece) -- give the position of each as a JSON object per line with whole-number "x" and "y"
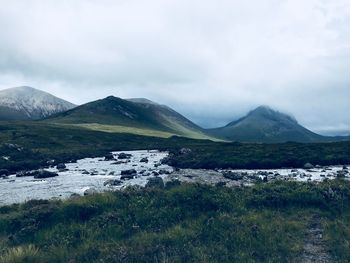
{"x": 145, "y": 117}
{"x": 26, "y": 103}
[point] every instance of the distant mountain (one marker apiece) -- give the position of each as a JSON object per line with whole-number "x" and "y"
{"x": 139, "y": 116}
{"x": 26, "y": 103}
{"x": 266, "y": 125}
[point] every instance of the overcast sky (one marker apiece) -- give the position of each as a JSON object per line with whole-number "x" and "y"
{"x": 210, "y": 60}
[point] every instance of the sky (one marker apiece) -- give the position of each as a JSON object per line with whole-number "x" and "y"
{"x": 212, "y": 61}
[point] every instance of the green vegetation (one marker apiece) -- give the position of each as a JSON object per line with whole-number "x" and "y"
{"x": 29, "y": 145}
{"x": 211, "y": 155}
{"x": 124, "y": 129}
{"x": 181, "y": 223}
{"x": 137, "y": 118}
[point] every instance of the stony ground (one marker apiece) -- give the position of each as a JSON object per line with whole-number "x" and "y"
{"x": 315, "y": 249}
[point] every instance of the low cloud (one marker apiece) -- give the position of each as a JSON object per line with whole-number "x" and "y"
{"x": 210, "y": 60}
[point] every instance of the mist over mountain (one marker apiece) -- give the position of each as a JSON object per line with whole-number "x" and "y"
{"x": 145, "y": 117}
{"x": 27, "y": 103}
{"x": 264, "y": 124}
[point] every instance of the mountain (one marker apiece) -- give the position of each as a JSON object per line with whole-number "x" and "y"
{"x": 265, "y": 125}
{"x": 138, "y": 116}
{"x": 26, "y": 103}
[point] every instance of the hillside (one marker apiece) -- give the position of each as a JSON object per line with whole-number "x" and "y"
{"x": 26, "y": 103}
{"x": 269, "y": 126}
{"x": 138, "y": 116}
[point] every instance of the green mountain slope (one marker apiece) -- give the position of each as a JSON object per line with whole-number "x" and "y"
{"x": 265, "y": 125}
{"x": 138, "y": 116}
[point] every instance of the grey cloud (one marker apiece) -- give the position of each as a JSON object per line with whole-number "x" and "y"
{"x": 211, "y": 60}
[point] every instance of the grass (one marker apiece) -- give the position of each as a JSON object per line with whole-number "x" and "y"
{"x": 123, "y": 129}
{"x": 30, "y": 145}
{"x": 183, "y": 223}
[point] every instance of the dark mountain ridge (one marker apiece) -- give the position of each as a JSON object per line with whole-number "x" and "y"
{"x": 266, "y": 125}
{"x": 133, "y": 113}
{"x": 143, "y": 116}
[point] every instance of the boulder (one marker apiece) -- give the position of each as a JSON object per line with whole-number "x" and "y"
{"x": 155, "y": 182}
{"x": 144, "y": 160}
{"x": 4, "y": 173}
{"x": 185, "y": 151}
{"x": 232, "y": 175}
{"x": 341, "y": 174}
{"x": 61, "y": 166}
{"x": 308, "y": 166}
{"x": 112, "y": 182}
{"x": 90, "y": 191}
{"x": 109, "y": 157}
{"x": 128, "y": 174}
{"x": 41, "y": 174}
{"x": 117, "y": 162}
{"x": 124, "y": 156}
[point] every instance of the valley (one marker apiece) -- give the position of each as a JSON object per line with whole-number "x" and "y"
{"x": 119, "y": 180}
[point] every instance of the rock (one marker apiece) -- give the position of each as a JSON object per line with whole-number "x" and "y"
{"x": 233, "y": 175}
{"x": 185, "y": 151}
{"x": 144, "y": 160}
{"x": 74, "y": 195}
{"x": 341, "y": 174}
{"x": 111, "y": 173}
{"x": 112, "y": 182}
{"x": 308, "y": 166}
{"x": 162, "y": 171}
{"x": 24, "y": 173}
{"x": 155, "y": 173}
{"x": 85, "y": 172}
{"x": 124, "y": 156}
{"x": 118, "y": 162}
{"x": 345, "y": 168}
{"x": 156, "y": 182}
{"x": 128, "y": 174}
{"x": 4, "y": 173}
{"x": 61, "y": 166}
{"x": 90, "y": 191}
{"x": 109, "y": 157}
{"x": 41, "y": 174}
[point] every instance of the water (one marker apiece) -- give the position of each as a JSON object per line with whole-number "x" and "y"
{"x": 74, "y": 181}
{"x": 20, "y": 189}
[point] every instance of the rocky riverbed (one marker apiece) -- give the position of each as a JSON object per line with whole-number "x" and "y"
{"x": 118, "y": 170}
{"x": 114, "y": 171}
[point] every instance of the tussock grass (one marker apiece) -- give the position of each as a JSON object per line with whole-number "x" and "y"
{"x": 183, "y": 223}
{"x": 21, "y": 254}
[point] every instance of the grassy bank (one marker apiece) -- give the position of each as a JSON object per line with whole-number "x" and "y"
{"x": 186, "y": 223}
{"x": 29, "y": 145}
